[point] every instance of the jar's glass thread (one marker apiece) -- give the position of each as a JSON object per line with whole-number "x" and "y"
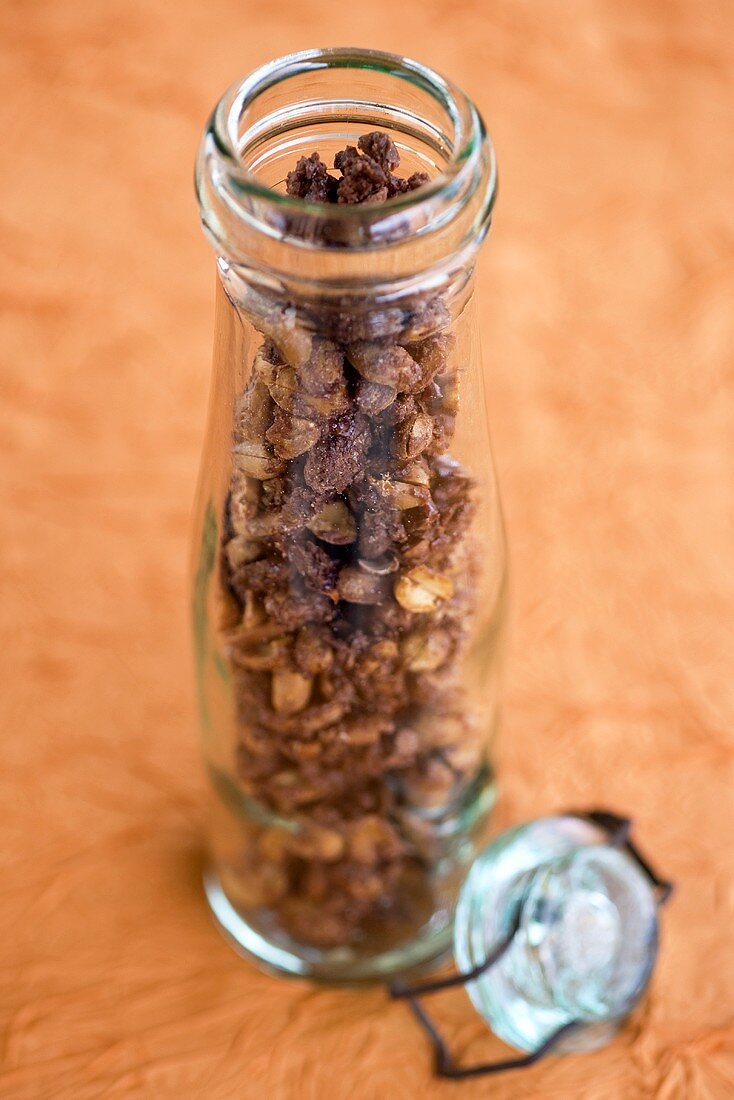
{"x": 618, "y": 835}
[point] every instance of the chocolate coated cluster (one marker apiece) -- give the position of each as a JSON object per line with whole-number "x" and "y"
{"x": 366, "y": 174}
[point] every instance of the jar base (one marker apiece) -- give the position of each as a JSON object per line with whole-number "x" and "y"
{"x": 335, "y": 967}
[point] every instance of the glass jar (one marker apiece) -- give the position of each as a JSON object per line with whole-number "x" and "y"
{"x": 349, "y": 562}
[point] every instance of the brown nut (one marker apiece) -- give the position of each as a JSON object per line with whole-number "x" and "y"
{"x": 386, "y": 650}
{"x": 365, "y": 731}
{"x": 302, "y": 750}
{"x": 368, "y": 886}
{"x": 432, "y": 318}
{"x": 244, "y": 501}
{"x": 244, "y": 488}
{"x": 253, "y": 887}
{"x": 334, "y": 523}
{"x": 368, "y": 324}
{"x": 257, "y": 460}
{"x": 324, "y": 369}
{"x": 415, "y": 472}
{"x": 430, "y": 787}
{"x": 255, "y": 753}
{"x": 290, "y": 691}
{"x": 418, "y": 550}
{"x": 425, "y": 650}
{"x": 312, "y": 651}
{"x": 291, "y": 436}
{"x": 287, "y": 790}
{"x": 291, "y": 339}
{"x": 327, "y": 685}
{"x": 284, "y": 388}
{"x": 266, "y": 524}
{"x": 373, "y": 397}
{"x": 314, "y": 719}
{"x": 404, "y": 495}
{"x": 402, "y": 407}
{"x": 248, "y": 633}
{"x": 259, "y": 655}
{"x": 388, "y": 364}
{"x": 432, "y": 355}
{"x": 254, "y": 613}
{"x": 420, "y": 590}
{"x": 264, "y": 370}
{"x": 292, "y": 398}
{"x": 253, "y": 412}
{"x": 447, "y": 731}
{"x": 328, "y": 404}
{"x": 316, "y": 842}
{"x": 356, "y": 586}
{"x": 308, "y": 922}
{"x": 406, "y": 747}
{"x": 242, "y": 550}
{"x": 372, "y": 839}
{"x": 412, "y": 436}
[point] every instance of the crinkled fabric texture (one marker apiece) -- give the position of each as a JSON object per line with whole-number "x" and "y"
{"x": 608, "y": 332}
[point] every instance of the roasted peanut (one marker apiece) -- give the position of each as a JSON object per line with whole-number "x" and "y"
{"x": 291, "y": 339}
{"x": 259, "y": 654}
{"x": 334, "y": 523}
{"x": 253, "y": 412}
{"x": 313, "y": 652}
{"x": 374, "y": 397}
{"x": 323, "y": 371}
{"x": 388, "y": 364}
{"x": 433, "y": 356}
{"x": 290, "y": 691}
{"x": 412, "y": 436}
{"x": 291, "y": 435}
{"x": 257, "y": 460}
{"x": 357, "y": 586}
{"x": 420, "y": 590}
{"x": 316, "y": 842}
{"x": 241, "y": 550}
{"x": 425, "y": 650}
{"x": 432, "y": 318}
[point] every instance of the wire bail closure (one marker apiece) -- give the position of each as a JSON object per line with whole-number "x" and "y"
{"x": 618, "y": 830}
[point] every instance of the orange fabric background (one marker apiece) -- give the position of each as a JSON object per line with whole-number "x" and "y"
{"x": 608, "y": 332}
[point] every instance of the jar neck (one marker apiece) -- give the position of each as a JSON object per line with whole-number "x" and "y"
{"x": 323, "y": 100}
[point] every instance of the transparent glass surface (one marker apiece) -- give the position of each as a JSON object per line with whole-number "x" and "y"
{"x": 349, "y": 563}
{"x": 587, "y": 937}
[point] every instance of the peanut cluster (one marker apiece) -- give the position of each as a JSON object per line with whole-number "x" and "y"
{"x": 346, "y": 552}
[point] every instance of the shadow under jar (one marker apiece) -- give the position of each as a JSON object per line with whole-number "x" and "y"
{"x": 349, "y": 563}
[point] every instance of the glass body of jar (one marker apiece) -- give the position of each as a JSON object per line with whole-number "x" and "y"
{"x": 349, "y": 563}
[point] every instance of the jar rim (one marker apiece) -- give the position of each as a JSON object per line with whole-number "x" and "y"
{"x": 471, "y": 155}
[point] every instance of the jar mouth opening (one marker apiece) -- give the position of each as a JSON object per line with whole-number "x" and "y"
{"x": 435, "y": 114}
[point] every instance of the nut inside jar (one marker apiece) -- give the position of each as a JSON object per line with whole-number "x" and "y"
{"x": 348, "y": 557}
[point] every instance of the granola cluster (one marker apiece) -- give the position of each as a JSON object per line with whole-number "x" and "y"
{"x": 346, "y": 552}
{"x": 366, "y": 174}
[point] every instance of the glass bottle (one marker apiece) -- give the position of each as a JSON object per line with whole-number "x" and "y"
{"x": 349, "y": 561}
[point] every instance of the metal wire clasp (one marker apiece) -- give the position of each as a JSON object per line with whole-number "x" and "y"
{"x": 618, "y": 830}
